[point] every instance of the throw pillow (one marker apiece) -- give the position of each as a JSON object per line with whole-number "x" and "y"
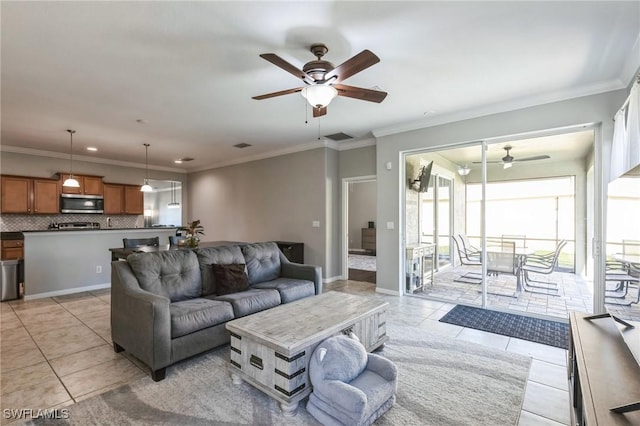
{"x": 230, "y": 278}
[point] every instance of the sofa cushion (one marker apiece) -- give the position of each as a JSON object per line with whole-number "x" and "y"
{"x": 208, "y": 256}
{"x": 230, "y": 278}
{"x": 250, "y": 301}
{"x": 290, "y": 289}
{"x": 263, "y": 261}
{"x": 196, "y": 314}
{"x": 173, "y": 274}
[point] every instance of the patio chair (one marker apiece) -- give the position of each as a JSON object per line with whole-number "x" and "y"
{"x": 467, "y": 257}
{"x": 624, "y": 275}
{"x": 541, "y": 264}
{"x": 501, "y": 258}
{"x": 520, "y": 240}
{"x": 470, "y": 250}
{"x": 141, "y": 242}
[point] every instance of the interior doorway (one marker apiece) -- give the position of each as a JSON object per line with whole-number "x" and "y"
{"x": 359, "y": 229}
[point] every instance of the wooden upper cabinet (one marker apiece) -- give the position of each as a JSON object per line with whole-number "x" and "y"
{"x": 16, "y": 194}
{"x": 123, "y": 199}
{"x": 46, "y": 196}
{"x": 89, "y": 185}
{"x": 133, "y": 200}
{"x": 113, "y": 199}
{"x": 29, "y": 196}
{"x": 92, "y": 185}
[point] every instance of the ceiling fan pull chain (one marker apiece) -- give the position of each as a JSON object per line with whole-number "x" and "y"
{"x": 319, "y": 118}
{"x": 306, "y": 111}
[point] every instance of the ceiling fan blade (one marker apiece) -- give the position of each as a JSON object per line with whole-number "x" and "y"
{"x": 319, "y": 111}
{"x": 361, "y": 61}
{"x": 274, "y": 94}
{"x": 491, "y": 161}
{"x": 279, "y": 62}
{"x": 537, "y": 157}
{"x": 360, "y": 93}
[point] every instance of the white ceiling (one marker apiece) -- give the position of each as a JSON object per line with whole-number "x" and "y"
{"x": 189, "y": 70}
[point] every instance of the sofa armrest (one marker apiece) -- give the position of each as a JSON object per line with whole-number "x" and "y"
{"x": 344, "y": 395}
{"x": 140, "y": 320}
{"x": 382, "y": 367}
{"x": 302, "y": 272}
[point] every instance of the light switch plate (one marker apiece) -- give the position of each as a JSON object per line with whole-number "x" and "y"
{"x": 390, "y": 225}
{"x": 315, "y": 224}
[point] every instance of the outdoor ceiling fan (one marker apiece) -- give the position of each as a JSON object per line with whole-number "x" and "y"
{"x": 508, "y": 160}
{"x": 323, "y": 79}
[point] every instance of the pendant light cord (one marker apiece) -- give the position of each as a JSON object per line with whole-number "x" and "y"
{"x": 71, "y": 132}
{"x": 146, "y": 162}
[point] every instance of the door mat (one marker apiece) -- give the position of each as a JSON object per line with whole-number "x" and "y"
{"x": 552, "y": 333}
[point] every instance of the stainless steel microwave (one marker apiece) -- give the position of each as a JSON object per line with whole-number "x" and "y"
{"x": 77, "y": 203}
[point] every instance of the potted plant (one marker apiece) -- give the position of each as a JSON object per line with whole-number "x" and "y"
{"x": 193, "y": 229}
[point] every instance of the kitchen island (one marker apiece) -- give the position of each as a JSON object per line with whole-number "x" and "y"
{"x": 64, "y": 262}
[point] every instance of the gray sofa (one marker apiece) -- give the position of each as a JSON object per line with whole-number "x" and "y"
{"x": 171, "y": 305}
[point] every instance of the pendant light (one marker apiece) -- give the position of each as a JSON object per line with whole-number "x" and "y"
{"x": 146, "y": 187}
{"x": 173, "y": 204}
{"x": 70, "y": 182}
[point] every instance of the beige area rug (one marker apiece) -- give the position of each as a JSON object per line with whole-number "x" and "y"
{"x": 441, "y": 382}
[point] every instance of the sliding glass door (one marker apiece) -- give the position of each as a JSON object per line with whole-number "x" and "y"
{"x": 486, "y": 211}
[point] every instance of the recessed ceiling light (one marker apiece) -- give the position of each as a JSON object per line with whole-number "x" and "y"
{"x": 91, "y": 148}
{"x": 177, "y": 161}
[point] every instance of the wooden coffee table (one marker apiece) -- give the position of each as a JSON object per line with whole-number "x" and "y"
{"x": 271, "y": 349}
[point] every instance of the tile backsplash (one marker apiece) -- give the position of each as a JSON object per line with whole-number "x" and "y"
{"x": 26, "y": 222}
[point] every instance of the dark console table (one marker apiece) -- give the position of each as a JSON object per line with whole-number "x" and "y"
{"x": 604, "y": 376}
{"x": 293, "y": 251}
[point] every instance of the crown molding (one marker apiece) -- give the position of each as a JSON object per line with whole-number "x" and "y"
{"x": 357, "y": 144}
{"x": 270, "y": 154}
{"x": 501, "y": 107}
{"x": 50, "y": 154}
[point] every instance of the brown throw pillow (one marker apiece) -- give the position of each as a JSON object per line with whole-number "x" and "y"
{"x": 230, "y": 278}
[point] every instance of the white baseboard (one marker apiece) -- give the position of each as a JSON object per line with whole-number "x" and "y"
{"x": 332, "y": 279}
{"x": 386, "y": 291}
{"x": 66, "y": 291}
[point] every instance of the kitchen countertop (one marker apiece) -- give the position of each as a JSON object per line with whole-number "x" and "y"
{"x": 159, "y": 228}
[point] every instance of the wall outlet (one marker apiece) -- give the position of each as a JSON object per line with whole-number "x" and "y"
{"x": 315, "y": 224}
{"x": 390, "y": 225}
{"x": 98, "y": 269}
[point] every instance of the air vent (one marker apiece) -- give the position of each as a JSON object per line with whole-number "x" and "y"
{"x": 242, "y": 145}
{"x": 339, "y": 136}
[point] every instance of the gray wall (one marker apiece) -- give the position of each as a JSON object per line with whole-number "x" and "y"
{"x": 358, "y": 162}
{"x": 362, "y": 209}
{"x": 276, "y": 198}
{"x": 590, "y": 109}
{"x": 332, "y": 211}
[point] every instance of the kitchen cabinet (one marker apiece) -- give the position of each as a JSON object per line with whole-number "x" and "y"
{"x": 12, "y": 250}
{"x": 30, "y": 195}
{"x": 89, "y": 185}
{"x": 123, "y": 199}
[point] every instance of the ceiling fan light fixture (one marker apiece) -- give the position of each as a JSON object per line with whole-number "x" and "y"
{"x": 319, "y": 95}
{"x": 507, "y": 165}
{"x": 464, "y": 170}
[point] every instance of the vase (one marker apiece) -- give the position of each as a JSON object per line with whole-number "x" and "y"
{"x": 192, "y": 242}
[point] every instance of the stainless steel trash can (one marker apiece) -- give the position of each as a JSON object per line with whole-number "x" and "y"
{"x": 10, "y": 272}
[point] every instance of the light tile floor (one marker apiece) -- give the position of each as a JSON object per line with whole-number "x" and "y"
{"x": 57, "y": 351}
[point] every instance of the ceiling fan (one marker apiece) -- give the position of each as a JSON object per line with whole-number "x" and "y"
{"x": 508, "y": 160}
{"x": 323, "y": 80}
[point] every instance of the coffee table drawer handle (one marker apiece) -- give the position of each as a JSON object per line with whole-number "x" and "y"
{"x": 256, "y": 362}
